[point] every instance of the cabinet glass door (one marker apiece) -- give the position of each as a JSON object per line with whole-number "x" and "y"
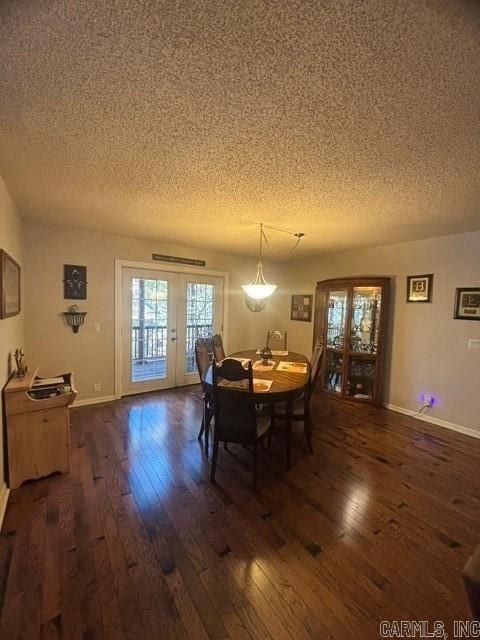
{"x": 336, "y": 320}
{"x": 363, "y": 341}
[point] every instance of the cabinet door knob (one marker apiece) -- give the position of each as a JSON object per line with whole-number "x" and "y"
{"x": 45, "y": 419}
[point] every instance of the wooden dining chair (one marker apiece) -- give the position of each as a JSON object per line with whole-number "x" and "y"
{"x": 236, "y": 419}
{"x": 204, "y": 357}
{"x": 300, "y": 410}
{"x": 277, "y": 340}
{"x": 218, "y": 350}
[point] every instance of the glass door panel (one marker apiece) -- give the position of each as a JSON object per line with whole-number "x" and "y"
{"x": 364, "y": 332}
{"x": 148, "y": 357}
{"x": 336, "y": 320}
{"x": 366, "y": 304}
{"x": 200, "y": 315}
{"x": 361, "y": 377}
{"x": 200, "y": 311}
{"x": 149, "y": 329}
{"x": 163, "y": 314}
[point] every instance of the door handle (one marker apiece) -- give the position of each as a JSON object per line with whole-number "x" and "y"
{"x": 173, "y": 338}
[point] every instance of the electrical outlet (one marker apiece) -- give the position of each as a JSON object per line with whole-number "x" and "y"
{"x": 97, "y": 386}
{"x": 474, "y": 343}
{"x": 428, "y": 400}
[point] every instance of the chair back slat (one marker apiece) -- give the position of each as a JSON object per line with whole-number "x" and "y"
{"x": 203, "y": 355}
{"x": 315, "y": 366}
{"x": 218, "y": 350}
{"x": 277, "y": 340}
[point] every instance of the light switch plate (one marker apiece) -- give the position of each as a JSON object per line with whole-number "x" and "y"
{"x": 474, "y": 343}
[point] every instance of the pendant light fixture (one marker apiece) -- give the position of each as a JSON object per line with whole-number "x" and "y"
{"x": 259, "y": 289}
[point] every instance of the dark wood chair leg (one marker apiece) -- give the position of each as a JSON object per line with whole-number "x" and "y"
{"x": 308, "y": 427}
{"x": 255, "y": 465}
{"x": 214, "y": 460}
{"x": 225, "y": 446}
{"x": 207, "y": 436}
{"x": 202, "y": 427}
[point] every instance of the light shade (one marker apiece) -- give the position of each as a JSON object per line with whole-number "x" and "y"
{"x": 259, "y": 289}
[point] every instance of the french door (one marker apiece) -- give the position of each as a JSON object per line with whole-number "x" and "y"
{"x": 163, "y": 313}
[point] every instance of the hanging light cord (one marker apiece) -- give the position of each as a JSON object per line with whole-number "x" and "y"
{"x": 298, "y": 236}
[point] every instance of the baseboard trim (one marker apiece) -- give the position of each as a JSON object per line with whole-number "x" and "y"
{"x": 4, "y": 491}
{"x": 86, "y": 401}
{"x": 436, "y": 421}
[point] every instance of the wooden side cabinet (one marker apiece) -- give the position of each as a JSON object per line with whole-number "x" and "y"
{"x": 37, "y": 429}
{"x": 351, "y": 318}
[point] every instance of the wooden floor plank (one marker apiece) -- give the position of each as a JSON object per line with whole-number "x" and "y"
{"x": 135, "y": 542}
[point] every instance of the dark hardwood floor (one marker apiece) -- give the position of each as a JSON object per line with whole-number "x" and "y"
{"x": 136, "y": 543}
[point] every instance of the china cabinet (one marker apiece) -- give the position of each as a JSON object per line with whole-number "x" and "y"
{"x": 351, "y": 317}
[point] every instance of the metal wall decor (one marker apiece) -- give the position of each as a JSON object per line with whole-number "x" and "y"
{"x": 22, "y": 367}
{"x": 74, "y": 317}
{"x": 74, "y": 282}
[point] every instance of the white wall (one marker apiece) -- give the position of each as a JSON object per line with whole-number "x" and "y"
{"x": 89, "y": 354}
{"x": 428, "y": 351}
{"x": 11, "y": 329}
{"x": 428, "y": 347}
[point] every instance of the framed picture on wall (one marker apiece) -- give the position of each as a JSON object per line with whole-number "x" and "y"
{"x": 301, "y": 307}
{"x": 9, "y": 286}
{"x": 419, "y": 288}
{"x": 467, "y": 303}
{"x": 74, "y": 282}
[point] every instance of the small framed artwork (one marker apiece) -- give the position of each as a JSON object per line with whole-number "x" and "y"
{"x": 74, "y": 282}
{"x": 467, "y": 303}
{"x": 419, "y": 288}
{"x": 301, "y": 307}
{"x": 9, "y": 286}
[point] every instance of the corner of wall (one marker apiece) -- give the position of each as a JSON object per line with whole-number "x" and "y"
{"x": 11, "y": 329}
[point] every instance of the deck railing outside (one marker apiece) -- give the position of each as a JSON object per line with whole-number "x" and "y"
{"x": 150, "y": 342}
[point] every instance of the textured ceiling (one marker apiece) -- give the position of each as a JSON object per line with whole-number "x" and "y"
{"x": 356, "y": 122}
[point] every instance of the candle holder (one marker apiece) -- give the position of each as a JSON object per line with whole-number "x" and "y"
{"x": 265, "y": 354}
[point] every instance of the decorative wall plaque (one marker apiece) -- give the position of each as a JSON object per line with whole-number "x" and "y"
{"x": 74, "y": 282}
{"x": 301, "y": 307}
{"x": 176, "y": 259}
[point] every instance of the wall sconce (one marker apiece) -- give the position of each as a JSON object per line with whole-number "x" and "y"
{"x": 74, "y": 317}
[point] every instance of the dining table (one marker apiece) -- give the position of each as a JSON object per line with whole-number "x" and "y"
{"x": 276, "y": 384}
